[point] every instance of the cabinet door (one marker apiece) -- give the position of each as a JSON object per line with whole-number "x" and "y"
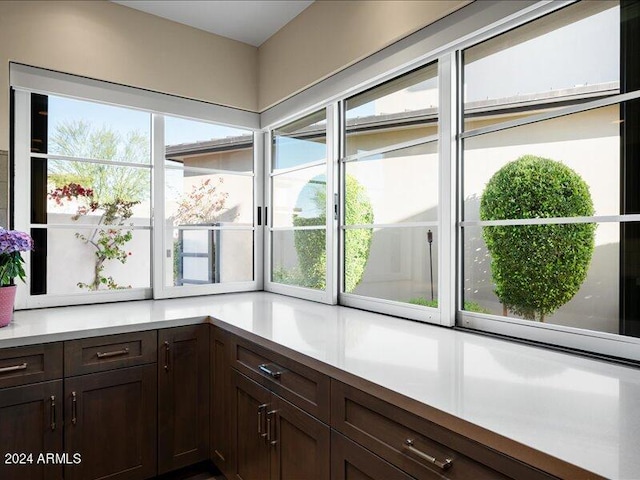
{"x": 183, "y": 396}
{"x": 220, "y": 388}
{"x": 31, "y": 423}
{"x": 300, "y": 444}
{"x": 350, "y": 461}
{"x": 110, "y": 419}
{"x": 249, "y": 409}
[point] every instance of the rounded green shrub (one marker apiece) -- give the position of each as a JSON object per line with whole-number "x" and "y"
{"x": 537, "y": 268}
{"x": 357, "y": 242}
{"x": 310, "y": 244}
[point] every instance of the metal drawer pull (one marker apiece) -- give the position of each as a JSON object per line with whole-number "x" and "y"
{"x": 74, "y": 408}
{"x": 53, "y": 412}
{"x": 124, "y": 351}
{"x": 14, "y": 368}
{"x": 261, "y": 409}
{"x": 166, "y": 355}
{"x": 267, "y": 368}
{"x": 448, "y": 463}
{"x": 271, "y": 437}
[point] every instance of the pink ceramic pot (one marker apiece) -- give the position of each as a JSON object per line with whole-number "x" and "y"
{"x": 7, "y": 299}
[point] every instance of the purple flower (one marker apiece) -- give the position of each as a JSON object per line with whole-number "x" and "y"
{"x": 14, "y": 241}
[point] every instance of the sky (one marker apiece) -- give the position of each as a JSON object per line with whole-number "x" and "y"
{"x": 124, "y": 120}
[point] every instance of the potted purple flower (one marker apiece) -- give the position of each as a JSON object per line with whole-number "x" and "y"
{"x": 12, "y": 243}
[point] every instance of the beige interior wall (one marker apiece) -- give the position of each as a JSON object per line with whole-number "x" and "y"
{"x": 333, "y": 34}
{"x": 107, "y": 41}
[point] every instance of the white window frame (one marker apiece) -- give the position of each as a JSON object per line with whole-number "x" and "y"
{"x": 329, "y": 294}
{"x": 26, "y": 80}
{"x": 446, "y": 164}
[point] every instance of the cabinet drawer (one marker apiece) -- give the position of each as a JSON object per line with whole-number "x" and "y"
{"x": 98, "y": 354}
{"x": 36, "y": 363}
{"x": 415, "y": 445}
{"x": 349, "y": 461}
{"x": 306, "y": 388}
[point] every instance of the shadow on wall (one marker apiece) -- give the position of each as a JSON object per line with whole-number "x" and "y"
{"x": 399, "y": 264}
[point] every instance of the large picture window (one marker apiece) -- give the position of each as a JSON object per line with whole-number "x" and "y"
{"x": 127, "y": 203}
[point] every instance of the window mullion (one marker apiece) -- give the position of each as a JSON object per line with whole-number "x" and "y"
{"x": 268, "y": 207}
{"x": 333, "y": 155}
{"x": 22, "y": 176}
{"x": 159, "y": 233}
{"x": 259, "y": 155}
{"x": 447, "y": 182}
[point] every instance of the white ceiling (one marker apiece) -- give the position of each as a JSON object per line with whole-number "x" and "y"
{"x": 248, "y": 21}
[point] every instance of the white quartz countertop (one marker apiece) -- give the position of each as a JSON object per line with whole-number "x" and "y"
{"x": 580, "y": 410}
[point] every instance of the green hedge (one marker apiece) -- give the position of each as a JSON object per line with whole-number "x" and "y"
{"x": 310, "y": 244}
{"x": 357, "y": 242}
{"x": 537, "y": 268}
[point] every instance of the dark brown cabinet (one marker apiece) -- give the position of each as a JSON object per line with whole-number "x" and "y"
{"x": 31, "y": 426}
{"x": 183, "y": 396}
{"x": 250, "y": 446}
{"x": 306, "y": 388}
{"x": 220, "y": 396}
{"x": 110, "y": 408}
{"x": 110, "y": 420}
{"x": 350, "y": 461}
{"x": 274, "y": 439}
{"x": 31, "y": 364}
{"x": 302, "y": 443}
{"x": 415, "y": 445}
{"x": 31, "y": 419}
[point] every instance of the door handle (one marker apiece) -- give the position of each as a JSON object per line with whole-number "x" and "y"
{"x": 444, "y": 465}
{"x": 261, "y": 410}
{"x": 14, "y": 368}
{"x": 117, "y": 353}
{"x": 74, "y": 408}
{"x": 271, "y": 428}
{"x": 167, "y": 349}
{"x": 53, "y": 412}
{"x": 271, "y": 369}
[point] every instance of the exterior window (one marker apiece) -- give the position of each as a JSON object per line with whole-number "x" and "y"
{"x": 298, "y": 185}
{"x": 545, "y": 230}
{"x": 90, "y": 197}
{"x": 390, "y": 192}
{"x": 123, "y": 204}
{"x": 208, "y": 204}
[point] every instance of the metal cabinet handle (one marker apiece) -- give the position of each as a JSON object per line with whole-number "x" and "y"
{"x": 167, "y": 348}
{"x": 448, "y": 463}
{"x": 268, "y": 369}
{"x": 14, "y": 368}
{"x": 74, "y": 408}
{"x": 124, "y": 351}
{"x": 261, "y": 409}
{"x": 53, "y": 412}
{"x": 271, "y": 436}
